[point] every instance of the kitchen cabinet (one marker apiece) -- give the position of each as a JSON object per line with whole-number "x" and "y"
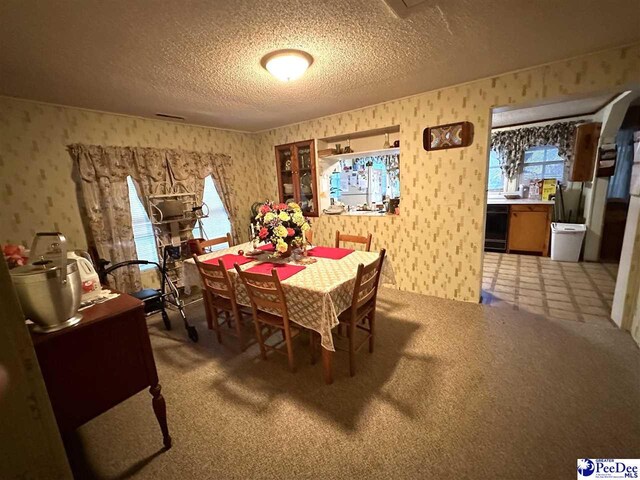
{"x": 296, "y": 169}
{"x": 584, "y": 152}
{"x": 529, "y": 228}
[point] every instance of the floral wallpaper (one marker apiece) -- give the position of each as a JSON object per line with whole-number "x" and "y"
{"x": 436, "y": 243}
{"x": 38, "y": 189}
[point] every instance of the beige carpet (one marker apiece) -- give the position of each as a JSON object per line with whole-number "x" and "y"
{"x": 453, "y": 390}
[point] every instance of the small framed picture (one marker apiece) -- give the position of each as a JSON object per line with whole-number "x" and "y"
{"x": 451, "y": 135}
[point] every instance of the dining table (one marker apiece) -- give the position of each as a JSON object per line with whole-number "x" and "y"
{"x": 315, "y": 295}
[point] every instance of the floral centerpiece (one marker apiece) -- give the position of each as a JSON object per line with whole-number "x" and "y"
{"x": 282, "y": 224}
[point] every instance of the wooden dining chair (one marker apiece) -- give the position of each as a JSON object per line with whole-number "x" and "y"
{"x": 269, "y": 307}
{"x": 342, "y": 237}
{"x": 201, "y": 246}
{"x": 308, "y": 235}
{"x": 361, "y": 315}
{"x": 220, "y": 297}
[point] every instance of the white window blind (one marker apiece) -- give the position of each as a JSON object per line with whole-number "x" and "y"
{"x": 217, "y": 223}
{"x": 142, "y": 228}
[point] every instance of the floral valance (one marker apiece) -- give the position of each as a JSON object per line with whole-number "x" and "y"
{"x": 144, "y": 163}
{"x": 510, "y": 145}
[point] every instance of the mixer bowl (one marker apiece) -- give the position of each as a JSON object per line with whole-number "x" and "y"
{"x": 47, "y": 301}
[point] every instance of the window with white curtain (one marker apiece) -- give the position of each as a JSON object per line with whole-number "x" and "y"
{"x": 142, "y": 228}
{"x": 217, "y": 222}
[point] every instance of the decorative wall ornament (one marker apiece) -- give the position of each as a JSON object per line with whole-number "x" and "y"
{"x": 510, "y": 145}
{"x": 451, "y": 135}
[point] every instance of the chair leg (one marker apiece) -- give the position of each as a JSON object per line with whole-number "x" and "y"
{"x": 207, "y": 310}
{"x": 216, "y": 324}
{"x": 287, "y": 336}
{"x": 263, "y": 351}
{"x": 227, "y": 317}
{"x": 351, "y": 329}
{"x": 372, "y": 326}
{"x": 238, "y": 320}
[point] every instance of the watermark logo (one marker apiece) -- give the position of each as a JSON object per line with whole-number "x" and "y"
{"x": 586, "y": 467}
{"x": 609, "y": 468}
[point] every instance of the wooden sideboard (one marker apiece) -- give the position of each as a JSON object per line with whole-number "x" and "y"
{"x": 100, "y": 362}
{"x": 529, "y": 228}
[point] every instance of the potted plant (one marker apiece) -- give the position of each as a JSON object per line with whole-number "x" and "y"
{"x": 283, "y": 225}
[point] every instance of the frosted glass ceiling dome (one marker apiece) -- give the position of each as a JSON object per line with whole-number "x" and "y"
{"x": 287, "y": 65}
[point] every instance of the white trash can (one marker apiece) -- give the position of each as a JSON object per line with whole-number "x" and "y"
{"x": 566, "y": 241}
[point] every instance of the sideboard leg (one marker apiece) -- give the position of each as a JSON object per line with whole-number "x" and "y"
{"x": 160, "y": 409}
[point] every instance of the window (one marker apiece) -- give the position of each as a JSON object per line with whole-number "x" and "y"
{"x": 495, "y": 181}
{"x": 366, "y": 180}
{"x": 540, "y": 163}
{"x": 142, "y": 229}
{"x": 217, "y": 223}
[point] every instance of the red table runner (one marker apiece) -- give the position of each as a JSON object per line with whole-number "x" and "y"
{"x": 284, "y": 270}
{"x": 229, "y": 259}
{"x": 329, "y": 252}
{"x": 267, "y": 248}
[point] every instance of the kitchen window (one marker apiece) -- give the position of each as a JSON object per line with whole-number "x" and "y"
{"x": 495, "y": 182}
{"x": 538, "y": 163}
{"x": 217, "y": 222}
{"x": 542, "y": 163}
{"x": 365, "y": 183}
{"x": 142, "y": 229}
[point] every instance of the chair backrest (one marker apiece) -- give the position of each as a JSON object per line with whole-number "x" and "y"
{"x": 202, "y": 245}
{"x": 215, "y": 279}
{"x": 265, "y": 292}
{"x": 309, "y": 236}
{"x": 365, "y": 288}
{"x": 341, "y": 237}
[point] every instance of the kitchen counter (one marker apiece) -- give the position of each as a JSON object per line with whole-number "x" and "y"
{"x": 517, "y": 201}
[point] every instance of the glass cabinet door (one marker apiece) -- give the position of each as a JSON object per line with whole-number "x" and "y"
{"x": 305, "y": 181}
{"x": 286, "y": 172}
{"x": 295, "y": 164}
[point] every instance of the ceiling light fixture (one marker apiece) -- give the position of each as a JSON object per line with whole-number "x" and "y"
{"x": 287, "y": 65}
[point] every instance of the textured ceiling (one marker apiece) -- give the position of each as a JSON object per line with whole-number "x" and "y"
{"x": 201, "y": 59}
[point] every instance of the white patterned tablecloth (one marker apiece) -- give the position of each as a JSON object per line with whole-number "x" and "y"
{"x": 315, "y": 295}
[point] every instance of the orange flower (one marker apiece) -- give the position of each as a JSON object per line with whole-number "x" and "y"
{"x": 263, "y": 232}
{"x": 290, "y": 232}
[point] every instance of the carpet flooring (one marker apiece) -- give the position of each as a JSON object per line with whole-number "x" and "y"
{"x": 453, "y": 390}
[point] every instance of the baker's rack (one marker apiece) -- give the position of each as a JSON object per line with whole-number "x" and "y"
{"x": 174, "y": 212}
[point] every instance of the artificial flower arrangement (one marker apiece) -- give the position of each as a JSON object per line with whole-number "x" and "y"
{"x": 15, "y": 255}
{"x": 283, "y": 225}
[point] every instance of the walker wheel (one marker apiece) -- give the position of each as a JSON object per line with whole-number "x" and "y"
{"x": 193, "y": 333}
{"x": 165, "y": 319}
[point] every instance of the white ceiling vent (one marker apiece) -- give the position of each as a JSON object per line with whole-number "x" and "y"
{"x": 403, "y": 8}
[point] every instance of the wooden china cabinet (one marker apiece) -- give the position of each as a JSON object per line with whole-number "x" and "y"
{"x": 296, "y": 167}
